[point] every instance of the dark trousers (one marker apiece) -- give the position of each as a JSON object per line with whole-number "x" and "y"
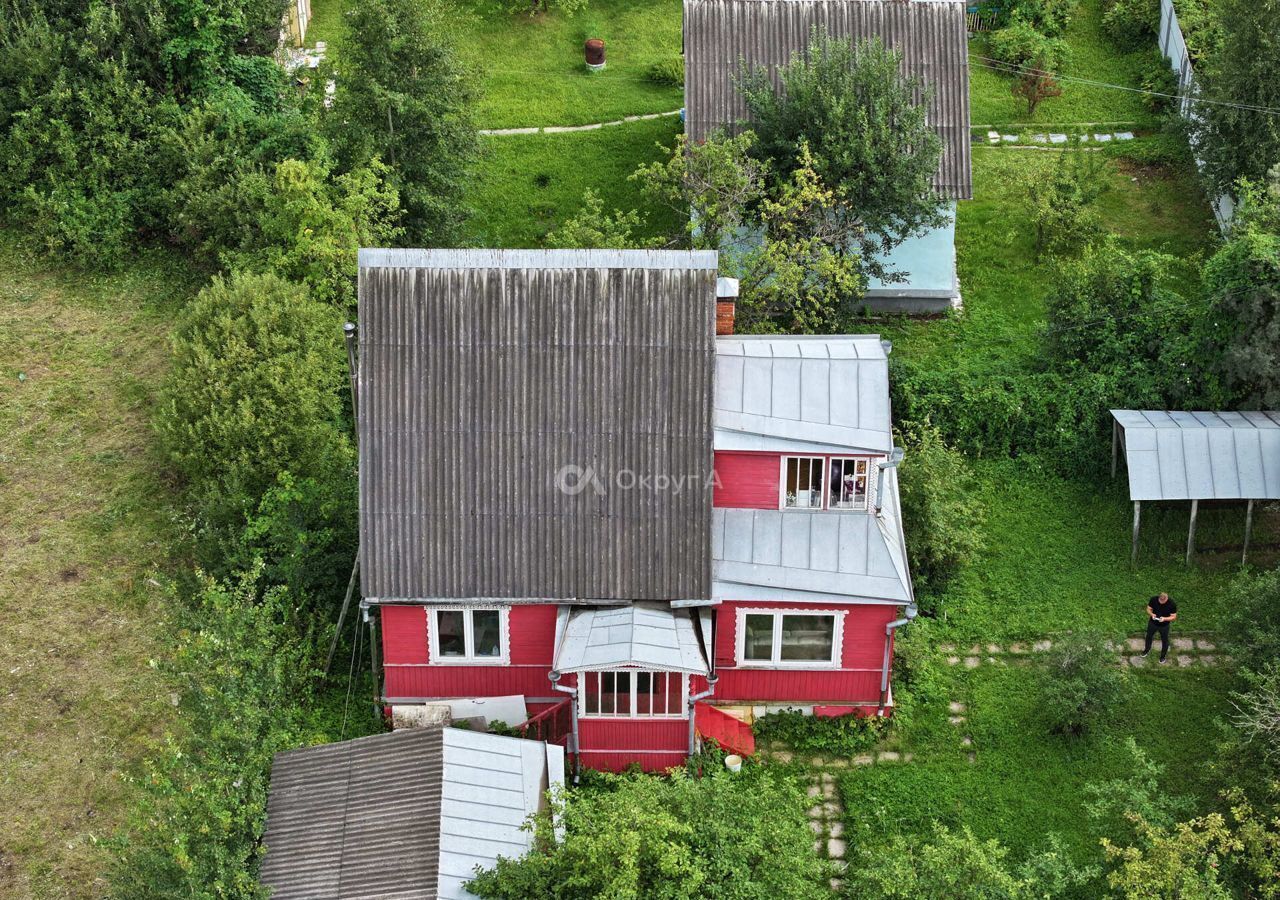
{"x": 1163, "y": 627}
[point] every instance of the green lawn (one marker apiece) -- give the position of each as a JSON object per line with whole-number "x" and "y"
{"x": 529, "y": 184}
{"x": 1093, "y": 58}
{"x": 1026, "y": 783}
{"x": 84, "y": 518}
{"x": 1002, "y": 284}
{"x": 532, "y": 70}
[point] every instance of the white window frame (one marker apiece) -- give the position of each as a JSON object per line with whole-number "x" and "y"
{"x": 681, "y": 713}
{"x": 776, "y": 661}
{"x": 468, "y": 625}
{"x": 782, "y": 481}
{"x": 869, "y": 502}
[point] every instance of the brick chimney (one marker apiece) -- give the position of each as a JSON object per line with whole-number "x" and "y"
{"x": 726, "y": 303}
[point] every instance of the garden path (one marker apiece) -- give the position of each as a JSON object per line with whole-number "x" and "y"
{"x": 563, "y": 129}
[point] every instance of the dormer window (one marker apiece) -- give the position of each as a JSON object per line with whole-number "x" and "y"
{"x": 820, "y": 482}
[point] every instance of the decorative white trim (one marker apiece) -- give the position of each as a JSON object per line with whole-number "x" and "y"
{"x": 682, "y": 713}
{"x": 504, "y": 637}
{"x": 740, "y": 638}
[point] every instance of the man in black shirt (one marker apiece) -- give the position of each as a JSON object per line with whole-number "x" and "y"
{"x": 1160, "y": 612}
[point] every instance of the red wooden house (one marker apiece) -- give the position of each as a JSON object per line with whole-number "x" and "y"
{"x": 581, "y": 507}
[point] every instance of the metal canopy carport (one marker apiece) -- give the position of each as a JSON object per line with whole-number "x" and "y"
{"x": 1197, "y": 456}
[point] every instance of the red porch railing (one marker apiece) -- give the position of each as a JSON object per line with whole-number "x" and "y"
{"x": 730, "y": 733}
{"x": 553, "y": 725}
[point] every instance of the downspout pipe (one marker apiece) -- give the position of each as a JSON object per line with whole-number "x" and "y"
{"x": 895, "y": 457}
{"x": 573, "y": 719}
{"x": 693, "y": 701}
{"x": 910, "y": 613}
{"x": 353, "y": 366}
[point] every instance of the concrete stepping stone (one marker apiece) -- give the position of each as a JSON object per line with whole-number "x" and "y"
{"x": 966, "y": 741}
{"x": 818, "y": 762}
{"x": 993, "y": 137}
{"x": 1058, "y": 138}
{"x": 1041, "y": 646}
{"x": 782, "y": 756}
{"x": 1009, "y": 138}
{"x": 814, "y": 791}
{"x": 971, "y": 662}
{"x": 1040, "y": 138}
{"x": 956, "y": 720}
{"x": 831, "y": 809}
{"x": 863, "y": 759}
{"x": 817, "y": 827}
{"x": 908, "y": 757}
{"x": 1136, "y": 643}
{"x": 1202, "y": 644}
{"x": 994, "y": 648}
{"x": 1102, "y": 138}
{"x": 953, "y": 660}
{"x": 1019, "y": 647}
{"x": 1183, "y": 643}
{"x": 1184, "y": 661}
{"x": 947, "y": 648}
{"x": 815, "y": 812}
{"x": 836, "y": 830}
{"x": 829, "y": 791}
{"x": 817, "y": 847}
{"x": 836, "y": 885}
{"x": 890, "y": 756}
{"x": 836, "y": 848}
{"x": 837, "y": 763}
{"x": 1124, "y": 135}
{"x": 973, "y": 758}
{"x": 1209, "y": 660}
{"x": 956, "y": 706}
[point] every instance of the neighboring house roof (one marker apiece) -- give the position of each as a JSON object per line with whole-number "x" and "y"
{"x": 802, "y": 393}
{"x": 811, "y": 556}
{"x": 490, "y": 381}
{"x": 407, "y": 815}
{"x": 721, "y": 35}
{"x": 1201, "y": 455}
{"x": 646, "y": 635}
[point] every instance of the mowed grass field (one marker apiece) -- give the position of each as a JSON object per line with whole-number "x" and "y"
{"x": 84, "y": 518}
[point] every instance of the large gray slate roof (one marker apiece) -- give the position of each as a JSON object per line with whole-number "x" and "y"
{"x": 483, "y": 373}
{"x": 406, "y": 815}
{"x": 1201, "y": 455}
{"x": 647, "y": 635}
{"x": 802, "y": 393}
{"x": 720, "y": 35}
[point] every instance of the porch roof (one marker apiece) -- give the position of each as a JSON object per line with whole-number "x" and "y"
{"x": 645, "y": 635}
{"x": 1201, "y": 455}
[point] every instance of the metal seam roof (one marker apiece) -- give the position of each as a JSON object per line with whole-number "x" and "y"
{"x": 645, "y": 635}
{"x": 1175, "y": 455}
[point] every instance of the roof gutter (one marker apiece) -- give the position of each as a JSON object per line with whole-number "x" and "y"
{"x": 693, "y": 701}
{"x": 573, "y": 719}
{"x": 910, "y": 613}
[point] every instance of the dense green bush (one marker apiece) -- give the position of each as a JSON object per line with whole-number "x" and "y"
{"x": 1063, "y": 210}
{"x": 245, "y": 679}
{"x": 254, "y": 393}
{"x": 725, "y": 835}
{"x": 1132, "y": 24}
{"x": 1252, "y": 629}
{"x": 1020, "y": 44}
{"x": 833, "y": 735}
{"x": 1049, "y": 17}
{"x": 941, "y": 511}
{"x": 1082, "y": 682}
{"x": 668, "y": 71}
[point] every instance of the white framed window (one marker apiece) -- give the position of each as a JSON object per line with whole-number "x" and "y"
{"x": 790, "y": 638}
{"x": 802, "y": 482}
{"x": 850, "y": 484}
{"x": 633, "y": 694}
{"x": 468, "y": 636}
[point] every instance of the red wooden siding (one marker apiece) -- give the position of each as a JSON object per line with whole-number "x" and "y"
{"x": 614, "y": 744}
{"x": 747, "y": 480}
{"x": 531, "y": 641}
{"x": 857, "y": 680}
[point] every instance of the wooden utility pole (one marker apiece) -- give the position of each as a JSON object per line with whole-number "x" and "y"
{"x": 1191, "y": 531}
{"x": 1137, "y": 524}
{"x": 1248, "y": 532}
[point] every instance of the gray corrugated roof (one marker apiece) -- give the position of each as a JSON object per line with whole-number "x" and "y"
{"x": 802, "y": 393}
{"x": 647, "y": 635}
{"x": 483, "y": 373}
{"x": 406, "y": 815}
{"x": 1201, "y": 455}
{"x": 720, "y": 34}
{"x": 356, "y": 819}
{"x": 812, "y": 556}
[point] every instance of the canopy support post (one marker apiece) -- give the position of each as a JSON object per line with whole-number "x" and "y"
{"x": 1248, "y": 532}
{"x": 1191, "y": 530}
{"x": 1137, "y": 525}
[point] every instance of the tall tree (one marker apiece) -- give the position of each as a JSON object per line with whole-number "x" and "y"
{"x": 403, "y": 95}
{"x": 865, "y": 124}
{"x": 1241, "y": 140}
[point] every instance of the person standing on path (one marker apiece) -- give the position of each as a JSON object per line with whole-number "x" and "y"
{"x": 1160, "y": 612}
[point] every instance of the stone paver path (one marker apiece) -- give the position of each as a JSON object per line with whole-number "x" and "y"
{"x": 564, "y": 129}
{"x": 1183, "y": 652}
{"x": 826, "y": 818}
{"x": 1057, "y": 138}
